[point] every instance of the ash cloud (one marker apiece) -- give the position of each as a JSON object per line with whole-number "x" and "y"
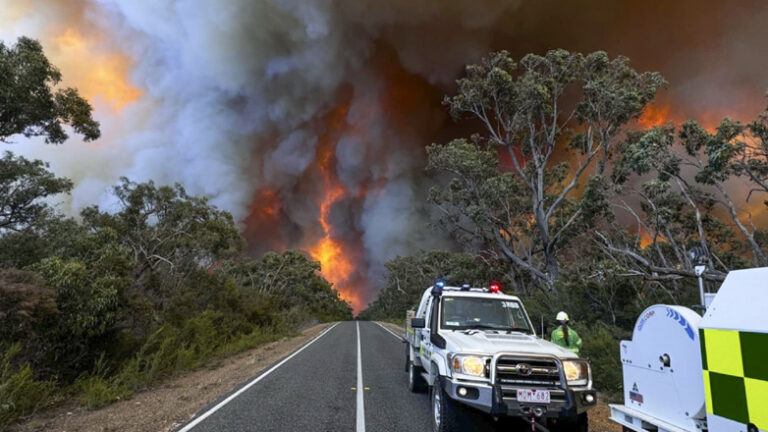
{"x": 236, "y": 95}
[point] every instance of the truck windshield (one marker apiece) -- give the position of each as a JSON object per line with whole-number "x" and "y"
{"x": 461, "y": 313}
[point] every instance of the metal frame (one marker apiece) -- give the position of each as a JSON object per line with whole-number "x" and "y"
{"x": 563, "y": 381}
{"x": 640, "y": 422}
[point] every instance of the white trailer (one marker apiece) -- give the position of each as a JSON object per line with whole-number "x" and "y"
{"x": 687, "y": 373}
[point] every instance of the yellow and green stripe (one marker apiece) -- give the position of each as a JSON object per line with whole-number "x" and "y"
{"x": 735, "y": 368}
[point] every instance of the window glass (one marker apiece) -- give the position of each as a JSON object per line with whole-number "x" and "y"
{"x": 460, "y": 313}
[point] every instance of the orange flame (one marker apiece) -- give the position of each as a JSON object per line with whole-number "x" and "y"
{"x": 334, "y": 260}
{"x": 654, "y": 115}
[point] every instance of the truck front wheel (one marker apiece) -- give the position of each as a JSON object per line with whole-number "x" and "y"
{"x": 445, "y": 415}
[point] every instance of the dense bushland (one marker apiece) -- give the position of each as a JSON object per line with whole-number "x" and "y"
{"x": 109, "y": 302}
{"x": 106, "y": 304}
{"x": 564, "y": 198}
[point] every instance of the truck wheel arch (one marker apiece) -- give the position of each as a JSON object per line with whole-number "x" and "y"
{"x": 436, "y": 370}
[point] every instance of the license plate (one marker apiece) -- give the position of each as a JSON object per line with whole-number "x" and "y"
{"x": 533, "y": 396}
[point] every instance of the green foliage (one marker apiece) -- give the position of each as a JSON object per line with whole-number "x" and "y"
{"x": 26, "y": 305}
{"x": 678, "y": 210}
{"x": 20, "y": 393}
{"x": 288, "y": 280}
{"x": 96, "y": 391}
{"x": 565, "y": 104}
{"x": 164, "y": 227}
{"x": 601, "y": 347}
{"x": 114, "y": 303}
{"x": 30, "y": 103}
{"x": 24, "y": 185}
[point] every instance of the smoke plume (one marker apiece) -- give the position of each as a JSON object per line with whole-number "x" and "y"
{"x": 307, "y": 119}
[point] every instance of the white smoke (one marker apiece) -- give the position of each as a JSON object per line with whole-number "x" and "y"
{"x": 232, "y": 94}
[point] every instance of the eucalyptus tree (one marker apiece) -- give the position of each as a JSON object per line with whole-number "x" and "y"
{"x": 24, "y": 187}
{"x": 32, "y": 104}
{"x": 684, "y": 189}
{"x": 557, "y": 119}
{"x": 170, "y": 234}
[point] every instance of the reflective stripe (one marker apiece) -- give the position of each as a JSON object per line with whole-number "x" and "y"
{"x": 757, "y": 402}
{"x": 707, "y": 392}
{"x": 735, "y": 375}
{"x": 724, "y": 352}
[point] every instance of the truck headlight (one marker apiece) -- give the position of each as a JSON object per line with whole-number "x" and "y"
{"x": 576, "y": 372}
{"x": 469, "y": 365}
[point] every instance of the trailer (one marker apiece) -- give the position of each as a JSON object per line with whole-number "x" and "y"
{"x": 687, "y": 373}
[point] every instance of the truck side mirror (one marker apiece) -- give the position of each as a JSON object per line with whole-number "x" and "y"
{"x": 418, "y": 323}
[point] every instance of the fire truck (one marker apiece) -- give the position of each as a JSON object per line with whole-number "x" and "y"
{"x": 476, "y": 349}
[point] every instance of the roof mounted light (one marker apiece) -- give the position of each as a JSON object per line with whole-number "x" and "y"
{"x": 437, "y": 289}
{"x": 495, "y": 287}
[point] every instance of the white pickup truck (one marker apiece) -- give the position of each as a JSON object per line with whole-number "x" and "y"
{"x": 476, "y": 347}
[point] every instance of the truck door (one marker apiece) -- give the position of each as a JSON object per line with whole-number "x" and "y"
{"x": 425, "y": 345}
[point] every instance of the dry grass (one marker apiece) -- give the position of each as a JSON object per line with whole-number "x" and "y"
{"x": 172, "y": 402}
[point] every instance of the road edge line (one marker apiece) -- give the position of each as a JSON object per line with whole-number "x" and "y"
{"x": 229, "y": 399}
{"x": 360, "y": 396}
{"x": 390, "y": 331}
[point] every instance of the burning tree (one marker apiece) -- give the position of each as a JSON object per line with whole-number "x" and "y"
{"x": 558, "y": 119}
{"x": 690, "y": 197}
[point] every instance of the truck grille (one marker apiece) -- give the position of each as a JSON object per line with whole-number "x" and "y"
{"x": 514, "y": 373}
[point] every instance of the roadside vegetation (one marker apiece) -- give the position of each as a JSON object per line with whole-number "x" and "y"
{"x": 564, "y": 198}
{"x": 561, "y": 197}
{"x": 108, "y": 303}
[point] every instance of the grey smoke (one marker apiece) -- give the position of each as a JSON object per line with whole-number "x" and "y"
{"x": 234, "y": 93}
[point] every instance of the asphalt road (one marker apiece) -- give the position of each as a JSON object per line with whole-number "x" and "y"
{"x": 317, "y": 388}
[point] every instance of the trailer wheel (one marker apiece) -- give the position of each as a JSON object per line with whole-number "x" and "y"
{"x": 445, "y": 412}
{"x": 416, "y": 383}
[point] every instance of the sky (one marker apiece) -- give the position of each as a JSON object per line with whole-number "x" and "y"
{"x": 307, "y": 120}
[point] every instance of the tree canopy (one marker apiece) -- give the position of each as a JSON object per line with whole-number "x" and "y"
{"x": 30, "y": 102}
{"x": 557, "y": 118}
{"x": 24, "y": 186}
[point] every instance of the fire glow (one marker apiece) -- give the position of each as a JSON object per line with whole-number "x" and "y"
{"x": 335, "y": 262}
{"x": 95, "y": 74}
{"x": 334, "y": 117}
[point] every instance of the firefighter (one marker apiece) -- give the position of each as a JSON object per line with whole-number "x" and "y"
{"x": 565, "y": 336}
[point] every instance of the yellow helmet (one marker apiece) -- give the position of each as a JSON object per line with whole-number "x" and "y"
{"x": 562, "y": 316}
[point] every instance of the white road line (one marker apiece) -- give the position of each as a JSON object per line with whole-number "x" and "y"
{"x": 390, "y": 331}
{"x": 360, "y": 407}
{"x": 207, "y": 414}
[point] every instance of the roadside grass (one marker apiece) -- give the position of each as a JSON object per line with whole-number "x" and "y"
{"x": 20, "y": 393}
{"x": 127, "y": 366}
{"x": 167, "y": 353}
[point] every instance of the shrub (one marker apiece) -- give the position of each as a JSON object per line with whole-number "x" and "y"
{"x": 20, "y": 393}
{"x": 97, "y": 391}
{"x": 601, "y": 347}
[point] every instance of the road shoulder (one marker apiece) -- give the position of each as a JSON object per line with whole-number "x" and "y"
{"x": 173, "y": 402}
